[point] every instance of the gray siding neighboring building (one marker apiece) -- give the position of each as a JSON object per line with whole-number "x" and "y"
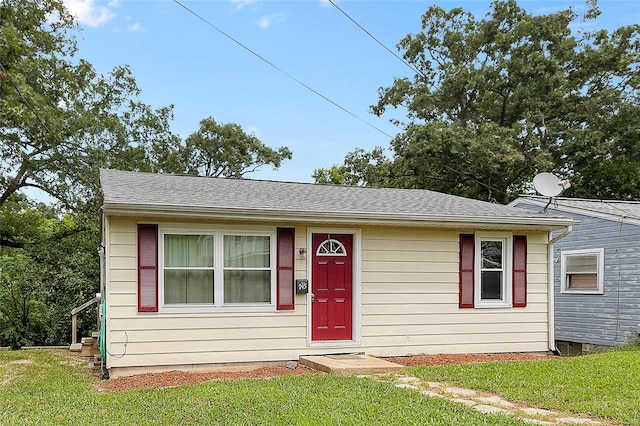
{"x": 610, "y": 317}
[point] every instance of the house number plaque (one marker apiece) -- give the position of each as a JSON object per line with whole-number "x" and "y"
{"x": 302, "y": 286}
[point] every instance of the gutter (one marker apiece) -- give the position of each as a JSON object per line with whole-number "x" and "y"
{"x": 551, "y": 287}
{"x": 101, "y": 251}
{"x": 355, "y": 217}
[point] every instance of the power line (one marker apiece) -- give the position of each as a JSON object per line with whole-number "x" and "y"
{"x": 375, "y": 39}
{"x": 279, "y": 69}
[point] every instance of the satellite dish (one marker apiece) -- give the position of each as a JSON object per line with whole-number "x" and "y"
{"x": 549, "y": 185}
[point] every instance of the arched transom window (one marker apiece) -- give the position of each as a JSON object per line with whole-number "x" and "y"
{"x": 331, "y": 247}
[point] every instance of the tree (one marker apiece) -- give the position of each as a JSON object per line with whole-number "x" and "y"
{"x": 218, "y": 149}
{"x": 48, "y": 267}
{"x": 22, "y": 313}
{"x": 360, "y": 168}
{"x": 59, "y": 119}
{"x": 497, "y": 100}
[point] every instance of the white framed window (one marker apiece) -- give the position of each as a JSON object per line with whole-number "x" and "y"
{"x": 202, "y": 270}
{"x": 582, "y": 271}
{"x": 493, "y": 270}
{"x": 188, "y": 268}
{"x": 247, "y": 269}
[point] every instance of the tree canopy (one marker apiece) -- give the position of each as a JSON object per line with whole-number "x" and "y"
{"x": 496, "y": 100}
{"x": 51, "y": 268}
{"x": 59, "y": 119}
{"x": 218, "y": 149}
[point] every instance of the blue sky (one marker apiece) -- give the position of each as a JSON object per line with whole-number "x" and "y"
{"x": 178, "y": 59}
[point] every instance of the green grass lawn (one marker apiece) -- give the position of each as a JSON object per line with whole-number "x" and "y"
{"x": 40, "y": 388}
{"x": 605, "y": 385}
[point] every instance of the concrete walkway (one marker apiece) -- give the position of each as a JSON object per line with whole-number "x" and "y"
{"x": 484, "y": 402}
{"x": 490, "y": 403}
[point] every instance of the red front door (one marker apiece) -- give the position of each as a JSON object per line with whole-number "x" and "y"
{"x": 331, "y": 286}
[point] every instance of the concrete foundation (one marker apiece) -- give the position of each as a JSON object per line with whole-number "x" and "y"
{"x": 575, "y": 348}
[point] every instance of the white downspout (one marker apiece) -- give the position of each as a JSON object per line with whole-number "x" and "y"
{"x": 101, "y": 252}
{"x": 103, "y": 293}
{"x": 551, "y": 289}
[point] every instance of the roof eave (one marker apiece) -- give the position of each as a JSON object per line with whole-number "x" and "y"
{"x": 360, "y": 218}
{"x": 577, "y": 210}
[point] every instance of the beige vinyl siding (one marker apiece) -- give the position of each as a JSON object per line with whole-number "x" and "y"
{"x": 410, "y": 298}
{"x": 149, "y": 339}
{"x": 408, "y": 290}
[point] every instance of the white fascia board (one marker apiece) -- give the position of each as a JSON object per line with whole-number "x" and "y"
{"x": 520, "y": 223}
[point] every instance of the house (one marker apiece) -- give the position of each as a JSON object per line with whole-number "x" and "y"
{"x": 596, "y": 272}
{"x": 201, "y": 271}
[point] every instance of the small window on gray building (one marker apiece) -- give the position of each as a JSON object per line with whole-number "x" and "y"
{"x": 582, "y": 271}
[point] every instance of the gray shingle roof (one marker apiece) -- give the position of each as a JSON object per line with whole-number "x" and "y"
{"x": 176, "y": 192}
{"x": 620, "y": 209}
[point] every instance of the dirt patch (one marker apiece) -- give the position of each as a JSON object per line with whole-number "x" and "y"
{"x": 443, "y": 359}
{"x": 178, "y": 378}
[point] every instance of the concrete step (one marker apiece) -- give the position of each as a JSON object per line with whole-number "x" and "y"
{"x": 349, "y": 364}
{"x": 89, "y": 350}
{"x": 86, "y": 347}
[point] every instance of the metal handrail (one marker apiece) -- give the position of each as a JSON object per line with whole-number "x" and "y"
{"x": 76, "y": 311}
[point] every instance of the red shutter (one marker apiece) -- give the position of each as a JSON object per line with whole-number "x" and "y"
{"x": 285, "y": 268}
{"x": 467, "y": 248}
{"x": 147, "y": 268}
{"x": 519, "y": 271}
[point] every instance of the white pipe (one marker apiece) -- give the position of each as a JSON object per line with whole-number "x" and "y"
{"x": 551, "y": 286}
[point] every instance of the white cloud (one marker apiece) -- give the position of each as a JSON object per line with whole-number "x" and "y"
{"x": 242, "y": 3}
{"x": 90, "y": 14}
{"x": 266, "y": 21}
{"x": 136, "y": 27}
